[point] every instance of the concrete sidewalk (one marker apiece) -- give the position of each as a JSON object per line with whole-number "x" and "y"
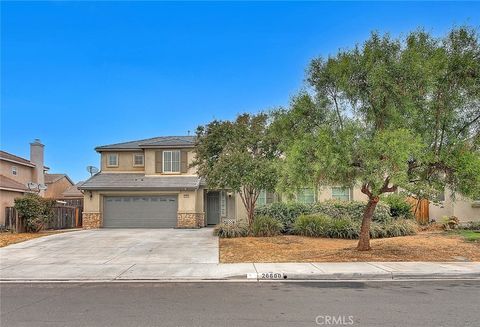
{"x": 244, "y": 271}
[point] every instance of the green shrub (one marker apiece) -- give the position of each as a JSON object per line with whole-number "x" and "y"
{"x": 343, "y": 228}
{"x": 35, "y": 211}
{"x": 287, "y": 213}
{"x": 393, "y": 228}
{"x": 266, "y": 226}
{"x": 399, "y": 207}
{"x": 324, "y": 226}
{"x": 311, "y": 225}
{"x": 235, "y": 229}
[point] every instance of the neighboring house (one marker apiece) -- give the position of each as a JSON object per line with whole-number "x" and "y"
{"x": 56, "y": 185}
{"x": 149, "y": 183}
{"x": 73, "y": 196}
{"x": 16, "y": 172}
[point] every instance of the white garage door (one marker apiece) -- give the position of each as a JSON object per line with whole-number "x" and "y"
{"x": 140, "y": 211}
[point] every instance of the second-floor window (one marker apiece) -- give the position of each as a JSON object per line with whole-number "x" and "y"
{"x": 14, "y": 170}
{"x": 138, "y": 160}
{"x": 171, "y": 161}
{"x": 112, "y": 160}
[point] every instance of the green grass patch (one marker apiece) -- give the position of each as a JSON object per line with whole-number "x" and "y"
{"x": 470, "y": 235}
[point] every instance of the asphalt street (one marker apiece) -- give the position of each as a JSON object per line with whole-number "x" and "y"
{"x": 422, "y": 303}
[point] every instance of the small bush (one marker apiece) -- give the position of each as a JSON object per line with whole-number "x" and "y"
{"x": 449, "y": 223}
{"x": 471, "y": 225}
{"x": 399, "y": 207}
{"x": 35, "y": 211}
{"x": 397, "y": 227}
{"x": 236, "y": 229}
{"x": 266, "y": 226}
{"x": 311, "y": 225}
{"x": 343, "y": 228}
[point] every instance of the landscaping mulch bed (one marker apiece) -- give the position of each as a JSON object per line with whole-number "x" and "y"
{"x": 425, "y": 246}
{"x": 7, "y": 238}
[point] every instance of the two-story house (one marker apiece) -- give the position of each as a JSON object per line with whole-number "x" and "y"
{"x": 150, "y": 184}
{"x": 17, "y": 172}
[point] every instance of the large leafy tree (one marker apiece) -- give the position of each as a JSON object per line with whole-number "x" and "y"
{"x": 237, "y": 155}
{"x": 389, "y": 114}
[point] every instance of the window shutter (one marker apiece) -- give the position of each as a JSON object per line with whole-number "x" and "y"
{"x": 158, "y": 161}
{"x": 183, "y": 162}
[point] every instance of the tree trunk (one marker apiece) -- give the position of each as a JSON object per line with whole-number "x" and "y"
{"x": 364, "y": 239}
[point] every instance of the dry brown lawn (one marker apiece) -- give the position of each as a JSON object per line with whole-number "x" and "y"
{"x": 7, "y": 238}
{"x": 425, "y": 246}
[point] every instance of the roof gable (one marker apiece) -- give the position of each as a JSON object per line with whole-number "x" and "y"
{"x": 53, "y": 178}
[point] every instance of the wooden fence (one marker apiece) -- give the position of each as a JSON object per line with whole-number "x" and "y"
{"x": 420, "y": 209}
{"x": 64, "y": 217}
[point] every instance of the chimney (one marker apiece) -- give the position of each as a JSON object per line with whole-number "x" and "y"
{"x": 36, "y": 157}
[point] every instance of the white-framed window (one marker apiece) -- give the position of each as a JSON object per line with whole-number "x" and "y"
{"x": 112, "y": 160}
{"x": 262, "y": 198}
{"x": 138, "y": 160}
{"x": 306, "y": 195}
{"x": 341, "y": 193}
{"x": 14, "y": 170}
{"x": 171, "y": 161}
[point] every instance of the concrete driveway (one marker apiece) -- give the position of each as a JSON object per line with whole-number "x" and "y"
{"x": 107, "y": 253}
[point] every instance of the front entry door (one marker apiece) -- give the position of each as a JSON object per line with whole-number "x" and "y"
{"x": 213, "y": 208}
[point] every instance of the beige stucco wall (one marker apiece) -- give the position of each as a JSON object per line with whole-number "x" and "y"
{"x": 7, "y": 200}
{"x": 24, "y": 173}
{"x": 462, "y": 208}
{"x": 125, "y": 161}
{"x": 240, "y": 210}
{"x": 55, "y": 190}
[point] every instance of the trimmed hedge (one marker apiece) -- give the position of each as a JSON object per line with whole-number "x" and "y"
{"x": 287, "y": 213}
{"x": 318, "y": 225}
{"x": 266, "y": 226}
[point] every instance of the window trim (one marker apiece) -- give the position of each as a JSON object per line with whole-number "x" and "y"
{"x": 143, "y": 160}
{"x": 14, "y": 171}
{"x": 350, "y": 195}
{"x": 108, "y": 159}
{"x": 164, "y": 162}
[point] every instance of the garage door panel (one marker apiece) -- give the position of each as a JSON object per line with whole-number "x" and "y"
{"x": 140, "y": 211}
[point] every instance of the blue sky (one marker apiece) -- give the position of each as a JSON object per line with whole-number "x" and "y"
{"x": 78, "y": 75}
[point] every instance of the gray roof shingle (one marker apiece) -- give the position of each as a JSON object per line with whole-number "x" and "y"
{"x": 161, "y": 141}
{"x": 140, "y": 182}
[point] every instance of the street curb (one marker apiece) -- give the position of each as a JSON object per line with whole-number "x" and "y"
{"x": 289, "y": 278}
